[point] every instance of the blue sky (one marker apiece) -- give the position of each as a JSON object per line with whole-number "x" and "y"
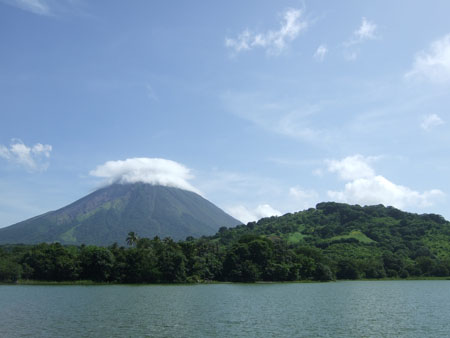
{"x": 264, "y": 107}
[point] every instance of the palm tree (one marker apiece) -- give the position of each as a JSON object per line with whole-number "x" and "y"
{"x": 132, "y": 238}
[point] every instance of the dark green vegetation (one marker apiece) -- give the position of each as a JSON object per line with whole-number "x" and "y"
{"x": 332, "y": 241}
{"x": 107, "y": 215}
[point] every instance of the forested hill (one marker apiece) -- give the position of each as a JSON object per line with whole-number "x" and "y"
{"x": 331, "y": 241}
{"x": 370, "y": 241}
{"x": 333, "y": 223}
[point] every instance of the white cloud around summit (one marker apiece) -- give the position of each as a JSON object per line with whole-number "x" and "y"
{"x": 156, "y": 171}
{"x": 365, "y": 187}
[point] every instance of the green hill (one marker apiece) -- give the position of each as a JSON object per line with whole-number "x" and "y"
{"x": 375, "y": 241}
{"x": 108, "y": 214}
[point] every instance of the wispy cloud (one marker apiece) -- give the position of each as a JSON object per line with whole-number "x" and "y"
{"x": 290, "y": 119}
{"x": 320, "y": 53}
{"x": 35, "y": 6}
{"x": 433, "y": 64}
{"x": 273, "y": 41}
{"x": 364, "y": 186}
{"x": 33, "y": 158}
{"x": 16, "y": 206}
{"x": 293, "y": 162}
{"x": 431, "y": 121}
{"x": 237, "y": 185}
{"x": 45, "y": 7}
{"x": 155, "y": 171}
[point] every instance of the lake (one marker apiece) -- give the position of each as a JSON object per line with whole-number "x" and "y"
{"x": 341, "y": 309}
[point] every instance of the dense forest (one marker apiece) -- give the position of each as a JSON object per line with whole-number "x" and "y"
{"x": 331, "y": 241}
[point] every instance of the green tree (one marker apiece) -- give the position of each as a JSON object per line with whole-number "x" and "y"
{"x": 10, "y": 271}
{"x": 96, "y": 263}
{"x": 323, "y": 273}
{"x": 347, "y": 269}
{"x": 171, "y": 261}
{"x": 132, "y": 238}
{"x": 51, "y": 262}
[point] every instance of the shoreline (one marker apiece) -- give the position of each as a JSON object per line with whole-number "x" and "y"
{"x": 92, "y": 283}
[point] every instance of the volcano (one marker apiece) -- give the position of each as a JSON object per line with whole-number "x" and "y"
{"x": 107, "y": 215}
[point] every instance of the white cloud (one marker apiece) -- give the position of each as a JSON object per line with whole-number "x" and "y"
{"x": 273, "y": 41}
{"x": 431, "y": 121}
{"x": 352, "y": 167}
{"x": 367, "y": 31}
{"x": 156, "y": 171}
{"x": 242, "y": 42}
{"x": 366, "y": 187}
{"x": 4, "y": 152}
{"x": 32, "y": 158}
{"x": 246, "y": 215}
{"x": 434, "y": 64}
{"x": 42, "y": 149}
{"x": 320, "y": 53}
{"x": 303, "y": 199}
{"x": 378, "y": 189}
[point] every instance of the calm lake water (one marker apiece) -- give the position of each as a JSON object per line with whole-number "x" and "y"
{"x": 342, "y": 309}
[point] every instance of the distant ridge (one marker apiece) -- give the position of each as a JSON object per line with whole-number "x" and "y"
{"x": 108, "y": 214}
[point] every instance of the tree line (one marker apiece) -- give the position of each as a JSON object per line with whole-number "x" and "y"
{"x": 331, "y": 241}
{"x": 156, "y": 260}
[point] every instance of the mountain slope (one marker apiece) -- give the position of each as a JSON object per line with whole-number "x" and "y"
{"x": 108, "y": 214}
